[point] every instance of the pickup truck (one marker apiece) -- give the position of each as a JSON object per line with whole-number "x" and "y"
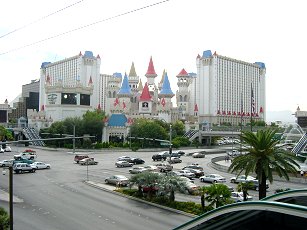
{"x": 88, "y": 161}
{"x": 26, "y": 155}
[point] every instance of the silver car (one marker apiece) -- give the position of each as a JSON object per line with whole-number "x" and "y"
{"x": 121, "y": 164}
{"x": 242, "y": 178}
{"x": 119, "y": 180}
{"x": 213, "y": 178}
{"x": 6, "y": 163}
{"x": 136, "y": 170}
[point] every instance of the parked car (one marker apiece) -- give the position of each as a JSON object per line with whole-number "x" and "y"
{"x": 137, "y": 170}
{"x": 23, "y": 167}
{"x": 119, "y": 180}
{"x": 121, "y": 164}
{"x": 79, "y": 157}
{"x": 242, "y": 178}
{"x": 213, "y": 178}
{"x": 198, "y": 155}
{"x": 255, "y": 185}
{"x": 238, "y": 197}
{"x": 233, "y": 153}
{"x": 40, "y": 165}
{"x": 193, "y": 166}
{"x": 174, "y": 160}
{"x": 198, "y": 173}
{"x": 160, "y": 156}
{"x": 136, "y": 161}
{"x": 192, "y": 188}
{"x": 185, "y": 173}
{"x": 30, "y": 155}
{"x": 7, "y": 149}
{"x": 164, "y": 167}
{"x": 151, "y": 168}
{"x": 6, "y": 163}
{"x": 88, "y": 161}
{"x": 124, "y": 158}
{"x": 1, "y": 149}
{"x": 180, "y": 153}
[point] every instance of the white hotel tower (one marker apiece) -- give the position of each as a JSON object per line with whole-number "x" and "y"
{"x": 229, "y": 90}
{"x": 70, "y": 87}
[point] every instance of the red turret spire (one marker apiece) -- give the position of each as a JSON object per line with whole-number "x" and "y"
{"x": 145, "y": 96}
{"x": 151, "y": 68}
{"x": 183, "y": 73}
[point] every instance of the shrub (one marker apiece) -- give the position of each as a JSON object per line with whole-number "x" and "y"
{"x": 87, "y": 143}
{"x": 98, "y": 145}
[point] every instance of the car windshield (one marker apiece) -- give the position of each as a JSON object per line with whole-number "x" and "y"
{"x": 121, "y": 177}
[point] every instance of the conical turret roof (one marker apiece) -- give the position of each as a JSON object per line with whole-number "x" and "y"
{"x": 140, "y": 87}
{"x": 125, "y": 88}
{"x": 183, "y": 73}
{"x": 166, "y": 87}
{"x": 145, "y": 96}
{"x": 162, "y": 79}
{"x": 151, "y": 68}
{"x": 132, "y": 72}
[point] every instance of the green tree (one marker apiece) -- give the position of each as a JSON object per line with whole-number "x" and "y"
{"x": 4, "y": 219}
{"x": 93, "y": 122}
{"x": 263, "y": 157}
{"x": 170, "y": 184}
{"x": 244, "y": 187}
{"x": 217, "y": 195}
{"x": 5, "y": 134}
{"x": 178, "y": 129}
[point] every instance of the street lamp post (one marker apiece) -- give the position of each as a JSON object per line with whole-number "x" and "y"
{"x": 170, "y": 142}
{"x": 10, "y": 195}
{"x": 74, "y": 140}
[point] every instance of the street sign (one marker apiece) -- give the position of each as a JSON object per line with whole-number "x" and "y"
{"x": 164, "y": 143}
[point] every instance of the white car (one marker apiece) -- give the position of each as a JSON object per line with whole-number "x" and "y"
{"x": 242, "y": 178}
{"x": 233, "y": 153}
{"x": 1, "y": 149}
{"x": 6, "y": 163}
{"x": 213, "y": 178}
{"x": 136, "y": 170}
{"x": 124, "y": 158}
{"x": 186, "y": 173}
{"x": 151, "y": 168}
{"x": 7, "y": 149}
{"x": 40, "y": 165}
{"x": 238, "y": 197}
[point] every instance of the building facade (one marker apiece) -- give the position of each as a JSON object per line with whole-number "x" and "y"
{"x": 224, "y": 90}
{"x": 229, "y": 90}
{"x": 70, "y": 87}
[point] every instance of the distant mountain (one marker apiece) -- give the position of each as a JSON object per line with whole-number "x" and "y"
{"x": 285, "y": 116}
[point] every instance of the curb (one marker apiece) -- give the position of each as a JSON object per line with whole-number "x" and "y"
{"x": 90, "y": 183}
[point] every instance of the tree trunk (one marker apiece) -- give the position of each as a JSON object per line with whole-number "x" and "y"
{"x": 262, "y": 187}
{"x": 172, "y": 196}
{"x": 202, "y": 200}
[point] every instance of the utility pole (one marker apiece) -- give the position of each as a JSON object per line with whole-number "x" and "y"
{"x": 10, "y": 195}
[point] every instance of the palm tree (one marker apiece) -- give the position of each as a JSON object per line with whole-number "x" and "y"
{"x": 263, "y": 157}
{"x": 218, "y": 195}
{"x": 145, "y": 179}
{"x": 202, "y": 192}
{"x": 170, "y": 184}
{"x": 244, "y": 187}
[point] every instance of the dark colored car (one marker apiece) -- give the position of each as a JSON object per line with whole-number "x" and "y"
{"x": 136, "y": 161}
{"x": 160, "y": 156}
{"x": 198, "y": 173}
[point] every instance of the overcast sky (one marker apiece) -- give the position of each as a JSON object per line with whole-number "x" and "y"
{"x": 173, "y": 33}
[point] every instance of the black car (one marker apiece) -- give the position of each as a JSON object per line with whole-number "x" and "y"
{"x": 136, "y": 161}
{"x": 160, "y": 156}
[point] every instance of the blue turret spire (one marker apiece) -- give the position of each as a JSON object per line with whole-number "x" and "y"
{"x": 125, "y": 89}
{"x": 166, "y": 88}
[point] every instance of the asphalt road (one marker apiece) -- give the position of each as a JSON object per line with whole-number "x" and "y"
{"x": 58, "y": 198}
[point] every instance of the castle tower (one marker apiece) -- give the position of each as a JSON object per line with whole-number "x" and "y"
{"x": 183, "y": 95}
{"x": 165, "y": 96}
{"x": 133, "y": 80}
{"x": 145, "y": 101}
{"x": 124, "y": 95}
{"x": 162, "y": 80}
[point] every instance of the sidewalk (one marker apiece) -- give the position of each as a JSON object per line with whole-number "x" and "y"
{"x": 5, "y": 197}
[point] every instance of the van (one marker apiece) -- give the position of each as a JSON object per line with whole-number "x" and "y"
{"x": 80, "y": 157}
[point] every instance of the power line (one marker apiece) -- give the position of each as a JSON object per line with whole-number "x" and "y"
{"x": 85, "y": 26}
{"x": 40, "y": 19}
